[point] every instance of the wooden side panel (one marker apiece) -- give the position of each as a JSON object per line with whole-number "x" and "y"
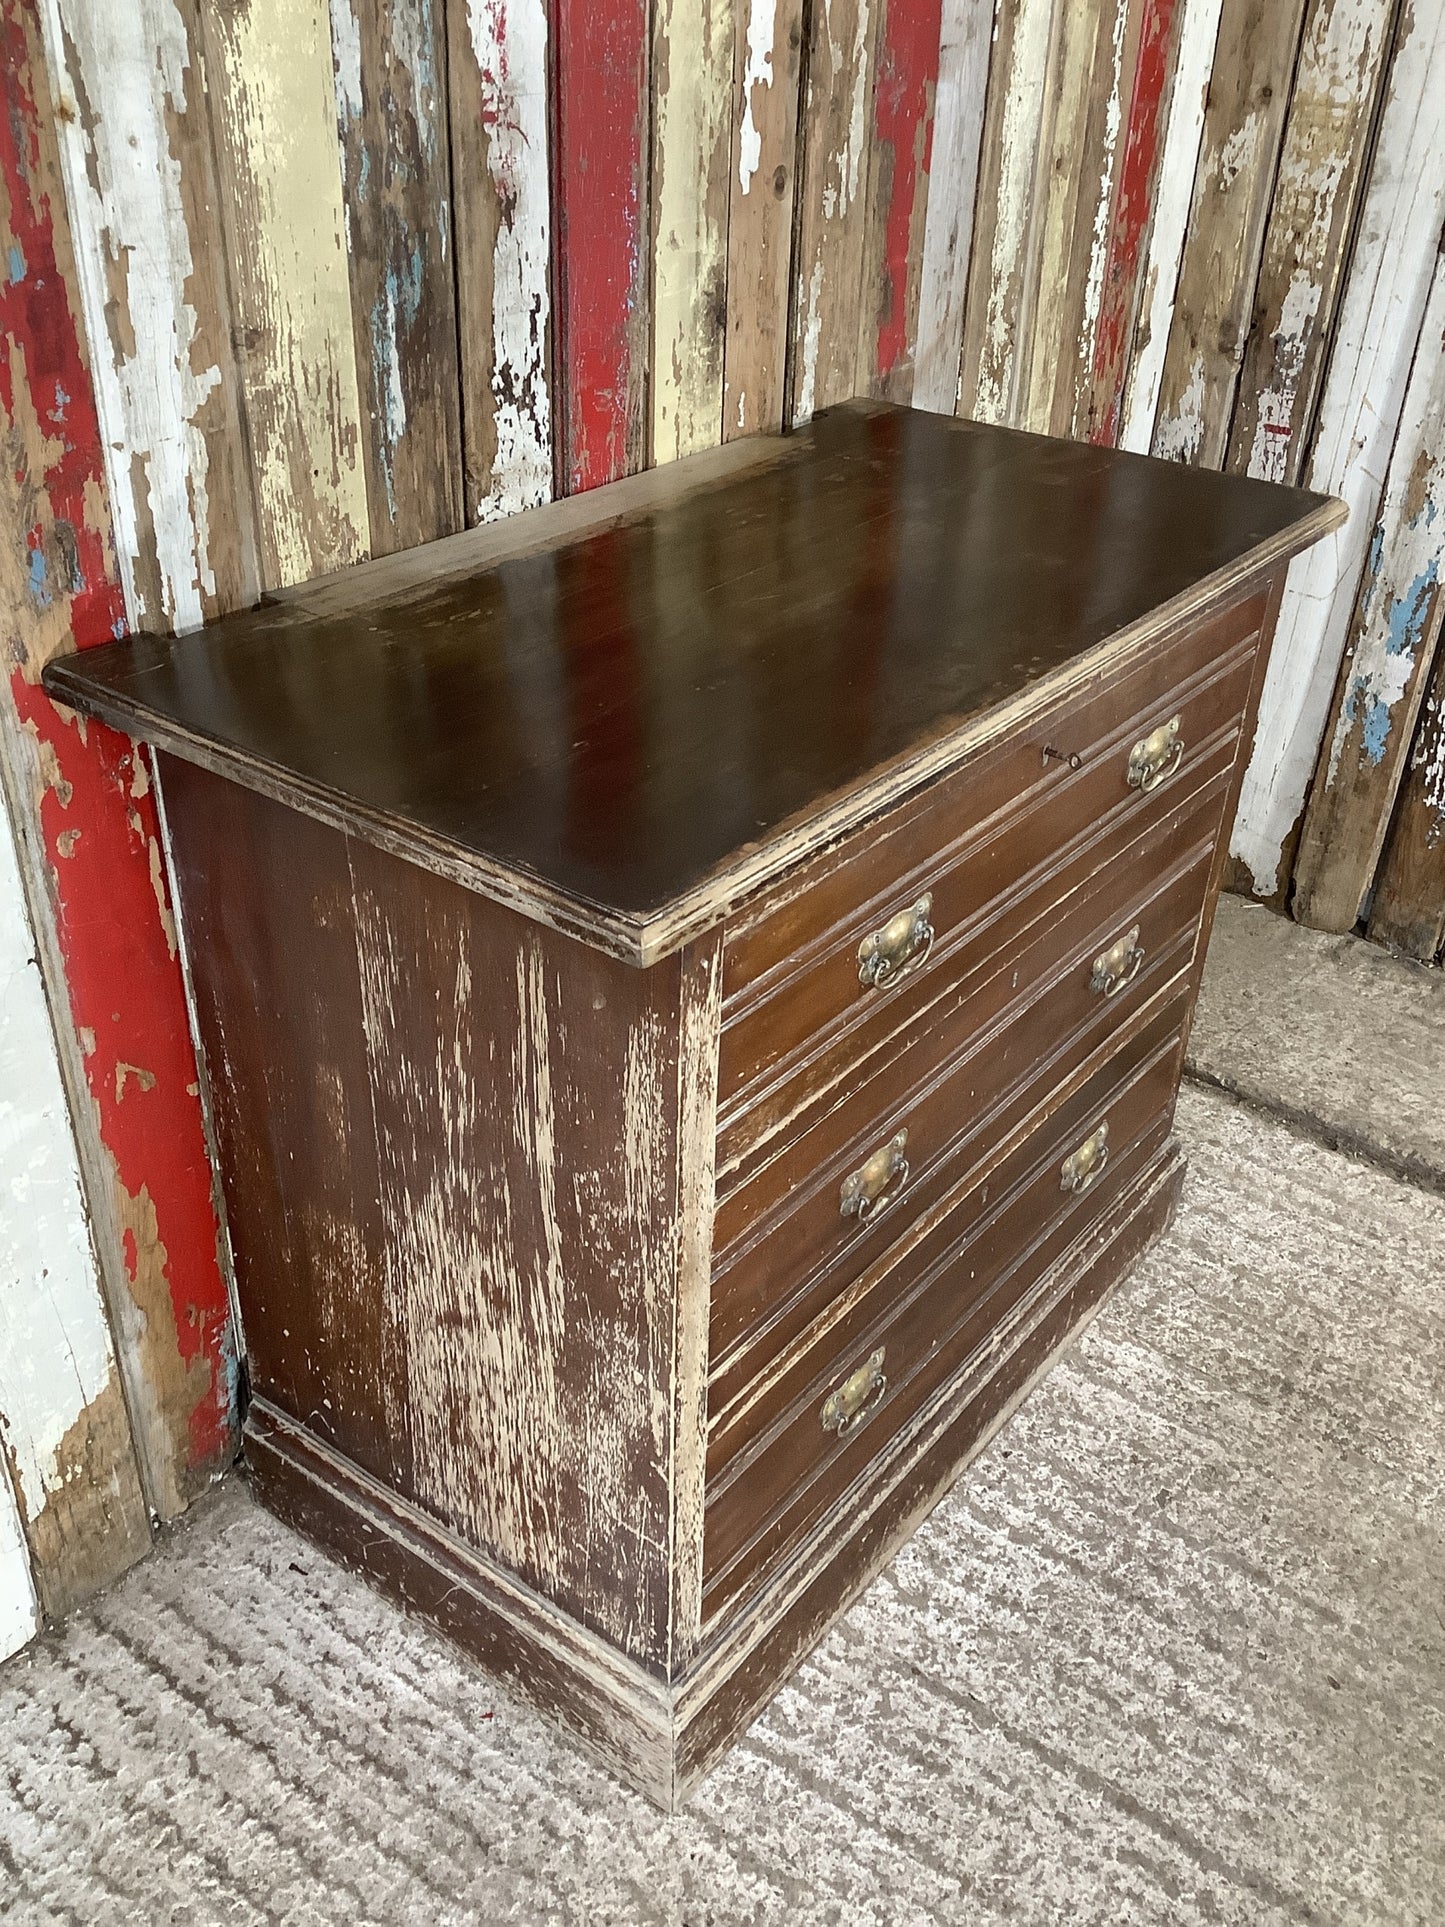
{"x": 501, "y": 212}
{"x": 1189, "y": 91}
{"x": 953, "y": 165}
{"x": 1243, "y": 123}
{"x": 269, "y": 67}
{"x": 1380, "y": 316}
{"x": 899, "y": 183}
{"x": 693, "y": 50}
{"x": 89, "y": 855}
{"x": 135, "y": 150}
{"x": 600, "y": 120}
{"x": 1387, "y": 663}
{"x": 767, "y": 77}
{"x": 1409, "y": 906}
{"x": 19, "y": 1610}
{"x": 389, "y": 58}
{"x": 833, "y": 215}
{"x": 1306, "y": 245}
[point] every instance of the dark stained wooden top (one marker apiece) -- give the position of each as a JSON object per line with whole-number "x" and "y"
{"x": 609, "y": 724}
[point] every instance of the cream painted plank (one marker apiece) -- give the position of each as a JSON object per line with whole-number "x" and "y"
{"x": 19, "y": 1612}
{"x": 1182, "y": 140}
{"x": 958, "y": 116}
{"x": 1380, "y": 318}
{"x": 135, "y": 152}
{"x": 693, "y": 47}
{"x": 273, "y": 97}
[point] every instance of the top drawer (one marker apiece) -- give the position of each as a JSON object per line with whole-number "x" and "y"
{"x": 790, "y": 965}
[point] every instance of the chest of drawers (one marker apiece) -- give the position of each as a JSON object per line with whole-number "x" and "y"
{"x": 691, "y": 987}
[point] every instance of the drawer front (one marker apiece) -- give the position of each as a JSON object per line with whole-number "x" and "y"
{"x": 791, "y": 966}
{"x": 846, "y": 1399}
{"x": 946, "y": 1092}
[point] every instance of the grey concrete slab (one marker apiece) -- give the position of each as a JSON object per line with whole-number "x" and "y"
{"x": 1333, "y": 1033}
{"x": 1172, "y": 1653}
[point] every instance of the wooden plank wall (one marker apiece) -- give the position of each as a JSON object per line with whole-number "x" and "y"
{"x": 514, "y": 248}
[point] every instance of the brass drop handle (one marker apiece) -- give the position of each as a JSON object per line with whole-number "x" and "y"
{"x": 877, "y": 1183}
{"x": 1154, "y": 758}
{"x": 1117, "y": 967}
{"x": 854, "y": 1402}
{"x": 900, "y": 946}
{"x": 1080, "y": 1168}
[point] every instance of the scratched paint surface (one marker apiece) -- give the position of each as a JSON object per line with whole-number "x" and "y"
{"x": 904, "y": 92}
{"x": 964, "y": 40}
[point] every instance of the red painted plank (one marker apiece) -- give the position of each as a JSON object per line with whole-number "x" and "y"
{"x": 1129, "y": 231}
{"x": 600, "y": 118}
{"x": 97, "y": 816}
{"x": 903, "y": 91}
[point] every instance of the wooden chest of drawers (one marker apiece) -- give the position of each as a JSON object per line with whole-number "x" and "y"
{"x": 692, "y": 987}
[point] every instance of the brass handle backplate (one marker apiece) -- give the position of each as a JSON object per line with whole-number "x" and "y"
{"x": 1154, "y": 758}
{"x": 853, "y": 1402}
{"x": 1117, "y": 967}
{"x": 1083, "y": 1165}
{"x": 876, "y": 1183}
{"x": 900, "y": 946}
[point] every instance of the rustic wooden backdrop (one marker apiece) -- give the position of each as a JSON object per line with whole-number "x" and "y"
{"x": 288, "y": 283}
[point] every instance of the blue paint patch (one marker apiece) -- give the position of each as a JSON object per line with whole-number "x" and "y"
{"x": 39, "y": 589}
{"x": 15, "y": 266}
{"x": 363, "y": 173}
{"x": 62, "y": 401}
{"x": 1408, "y": 611}
{"x": 1377, "y": 730}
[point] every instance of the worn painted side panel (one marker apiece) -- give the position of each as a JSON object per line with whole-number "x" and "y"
{"x": 1380, "y": 316}
{"x": 19, "y": 1609}
{"x": 502, "y": 217}
{"x": 693, "y": 48}
{"x": 600, "y": 198}
{"x": 833, "y": 215}
{"x": 1243, "y": 124}
{"x": 1322, "y": 164}
{"x": 389, "y": 58}
{"x": 88, "y": 843}
{"x": 1178, "y": 168}
{"x": 135, "y": 149}
{"x": 963, "y": 55}
{"x": 767, "y": 78}
{"x": 1409, "y": 906}
{"x": 269, "y": 68}
{"x": 1387, "y": 664}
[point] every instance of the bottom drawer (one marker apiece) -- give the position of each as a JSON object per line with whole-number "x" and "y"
{"x": 846, "y": 1399}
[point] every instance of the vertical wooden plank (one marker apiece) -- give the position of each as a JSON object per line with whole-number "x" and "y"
{"x": 19, "y": 1611}
{"x": 693, "y": 48}
{"x": 269, "y": 68}
{"x": 135, "y": 150}
{"x": 767, "y": 81}
{"x": 1198, "y": 36}
{"x": 501, "y": 211}
{"x": 1306, "y": 245}
{"x": 966, "y": 37}
{"x": 1409, "y": 907}
{"x": 832, "y": 229}
{"x": 89, "y": 845}
{"x": 994, "y": 313}
{"x": 1099, "y": 410}
{"x": 909, "y": 42}
{"x": 1243, "y": 124}
{"x": 601, "y": 249}
{"x": 390, "y": 73}
{"x": 1387, "y": 663}
{"x": 1380, "y": 315}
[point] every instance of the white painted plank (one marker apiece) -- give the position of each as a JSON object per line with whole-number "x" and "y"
{"x": 1380, "y": 319}
{"x": 1177, "y": 169}
{"x": 964, "y": 45}
{"x": 19, "y": 1617}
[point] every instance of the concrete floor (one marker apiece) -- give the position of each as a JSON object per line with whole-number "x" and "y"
{"x": 1173, "y": 1652}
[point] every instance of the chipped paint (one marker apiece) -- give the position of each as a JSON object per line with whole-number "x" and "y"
{"x": 953, "y": 164}
{"x": 1104, "y": 205}
{"x": 904, "y": 89}
{"x": 757, "y": 72}
{"x": 19, "y": 1609}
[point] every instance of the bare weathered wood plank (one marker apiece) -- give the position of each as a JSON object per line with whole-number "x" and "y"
{"x": 1243, "y": 124}
{"x": 139, "y": 176}
{"x": 767, "y": 82}
{"x": 269, "y": 67}
{"x": 1386, "y": 667}
{"x": 1306, "y": 251}
{"x": 1188, "y": 92}
{"x": 964, "y": 44}
{"x": 692, "y": 60}
{"x": 832, "y": 227}
{"x": 1380, "y": 315}
{"x": 391, "y": 107}
{"x": 19, "y": 1609}
{"x": 1409, "y": 907}
{"x": 502, "y": 221}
